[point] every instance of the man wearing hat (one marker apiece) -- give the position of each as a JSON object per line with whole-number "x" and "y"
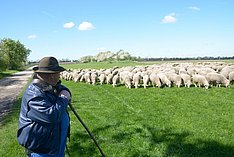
{"x": 44, "y": 122}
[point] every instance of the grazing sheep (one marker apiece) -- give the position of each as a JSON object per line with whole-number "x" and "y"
{"x": 217, "y": 79}
{"x": 200, "y": 80}
{"x": 116, "y": 71}
{"x": 63, "y": 75}
{"x": 108, "y": 71}
{"x": 205, "y": 70}
{"x": 136, "y": 79}
{"x": 174, "y": 78}
{"x": 164, "y": 79}
{"x": 122, "y": 75}
{"x": 87, "y": 77}
{"x": 155, "y": 80}
{"x": 182, "y": 71}
{"x": 67, "y": 75}
{"x": 102, "y": 78}
{"x": 109, "y": 78}
{"x": 115, "y": 80}
{"x": 186, "y": 79}
{"x": 94, "y": 77}
{"x": 231, "y": 76}
{"x": 157, "y": 75}
{"x": 226, "y": 70}
{"x": 191, "y": 70}
{"x": 127, "y": 81}
{"x": 145, "y": 80}
{"x": 78, "y": 76}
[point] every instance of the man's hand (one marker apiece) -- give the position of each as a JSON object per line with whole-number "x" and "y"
{"x": 66, "y": 94}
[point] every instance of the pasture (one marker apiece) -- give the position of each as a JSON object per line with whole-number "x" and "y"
{"x": 152, "y": 122}
{"x": 111, "y": 64}
{"x": 158, "y": 122}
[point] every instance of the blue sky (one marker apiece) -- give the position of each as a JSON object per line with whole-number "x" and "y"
{"x": 146, "y": 28}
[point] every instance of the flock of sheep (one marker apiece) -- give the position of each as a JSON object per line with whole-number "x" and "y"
{"x": 204, "y": 74}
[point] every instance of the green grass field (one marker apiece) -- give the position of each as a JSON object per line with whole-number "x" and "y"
{"x": 153, "y": 122}
{"x": 165, "y": 122}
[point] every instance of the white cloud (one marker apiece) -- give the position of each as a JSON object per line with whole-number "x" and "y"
{"x": 86, "y": 26}
{"x": 194, "y": 8}
{"x": 68, "y": 25}
{"x": 32, "y": 36}
{"x": 169, "y": 18}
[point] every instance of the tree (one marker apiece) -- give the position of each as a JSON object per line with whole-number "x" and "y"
{"x": 4, "y": 60}
{"x": 14, "y": 54}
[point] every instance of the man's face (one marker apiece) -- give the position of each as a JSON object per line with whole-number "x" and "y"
{"x": 53, "y": 78}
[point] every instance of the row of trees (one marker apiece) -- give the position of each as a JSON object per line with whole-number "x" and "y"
{"x": 13, "y": 54}
{"x": 187, "y": 58}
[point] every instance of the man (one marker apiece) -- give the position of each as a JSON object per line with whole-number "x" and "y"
{"x": 44, "y": 122}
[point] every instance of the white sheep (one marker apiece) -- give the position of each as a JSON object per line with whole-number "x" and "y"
{"x": 127, "y": 81}
{"x": 218, "y": 79}
{"x": 231, "y": 76}
{"x": 94, "y": 77}
{"x": 122, "y": 75}
{"x": 146, "y": 80}
{"x": 115, "y": 80}
{"x": 78, "y": 76}
{"x": 186, "y": 79}
{"x": 109, "y": 78}
{"x": 200, "y": 80}
{"x": 136, "y": 79}
{"x": 155, "y": 80}
{"x": 191, "y": 70}
{"x": 116, "y": 71}
{"x": 102, "y": 78}
{"x": 164, "y": 79}
{"x": 174, "y": 78}
{"x": 67, "y": 75}
{"x": 226, "y": 70}
{"x": 87, "y": 77}
{"x": 182, "y": 70}
{"x": 108, "y": 71}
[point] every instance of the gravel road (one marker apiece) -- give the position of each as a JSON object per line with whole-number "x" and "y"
{"x": 10, "y": 88}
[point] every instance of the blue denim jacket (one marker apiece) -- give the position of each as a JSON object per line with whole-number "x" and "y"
{"x": 41, "y": 114}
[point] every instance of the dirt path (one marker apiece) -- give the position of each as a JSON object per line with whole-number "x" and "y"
{"x": 10, "y": 88}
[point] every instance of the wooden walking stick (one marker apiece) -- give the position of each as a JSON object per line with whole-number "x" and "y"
{"x": 86, "y": 128}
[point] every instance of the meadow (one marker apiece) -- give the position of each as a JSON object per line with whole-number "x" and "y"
{"x": 153, "y": 122}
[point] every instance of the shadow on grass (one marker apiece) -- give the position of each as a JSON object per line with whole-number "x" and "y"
{"x": 2, "y": 74}
{"x": 79, "y": 146}
{"x": 177, "y": 145}
{"x": 11, "y": 114}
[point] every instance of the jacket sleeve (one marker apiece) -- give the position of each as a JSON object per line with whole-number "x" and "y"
{"x": 60, "y": 87}
{"x": 41, "y": 110}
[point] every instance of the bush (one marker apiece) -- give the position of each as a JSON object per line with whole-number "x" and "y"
{"x": 13, "y": 54}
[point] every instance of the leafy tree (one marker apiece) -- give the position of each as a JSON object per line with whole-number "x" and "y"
{"x": 13, "y": 54}
{"x": 4, "y": 60}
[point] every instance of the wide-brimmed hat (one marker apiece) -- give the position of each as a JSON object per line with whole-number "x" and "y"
{"x": 48, "y": 65}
